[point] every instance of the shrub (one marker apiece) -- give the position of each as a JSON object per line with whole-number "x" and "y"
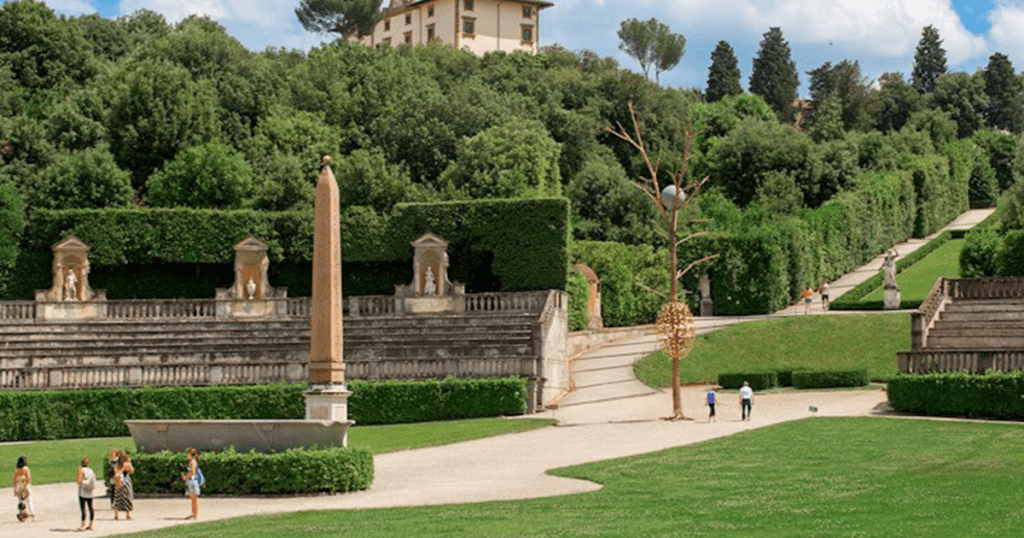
{"x": 785, "y": 377}
{"x": 757, "y": 380}
{"x": 982, "y": 250}
{"x": 997, "y": 395}
{"x": 292, "y": 472}
{"x": 807, "y": 379}
{"x": 578, "y": 291}
{"x": 70, "y": 414}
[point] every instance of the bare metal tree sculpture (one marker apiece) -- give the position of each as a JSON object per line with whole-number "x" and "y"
{"x": 675, "y": 325}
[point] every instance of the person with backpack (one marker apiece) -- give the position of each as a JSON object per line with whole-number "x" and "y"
{"x": 193, "y": 481}
{"x": 86, "y": 487}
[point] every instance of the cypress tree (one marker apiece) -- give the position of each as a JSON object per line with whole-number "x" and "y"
{"x": 724, "y": 73}
{"x": 1004, "y": 90}
{"x": 774, "y": 76}
{"x": 929, "y": 60}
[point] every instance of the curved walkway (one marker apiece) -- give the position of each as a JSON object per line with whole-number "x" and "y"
{"x": 609, "y": 415}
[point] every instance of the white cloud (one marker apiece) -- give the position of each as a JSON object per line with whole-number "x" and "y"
{"x": 71, "y": 7}
{"x": 176, "y": 10}
{"x": 1007, "y": 20}
{"x": 884, "y": 28}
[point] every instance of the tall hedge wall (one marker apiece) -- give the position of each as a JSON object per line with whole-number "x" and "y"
{"x": 496, "y": 245}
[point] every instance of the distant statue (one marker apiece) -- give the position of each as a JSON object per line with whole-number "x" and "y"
{"x": 889, "y": 269}
{"x": 705, "y": 286}
{"x": 430, "y": 286}
{"x": 250, "y": 288}
{"x": 70, "y": 282}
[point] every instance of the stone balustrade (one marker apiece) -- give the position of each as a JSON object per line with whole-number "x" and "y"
{"x": 172, "y": 375}
{"x": 973, "y": 362}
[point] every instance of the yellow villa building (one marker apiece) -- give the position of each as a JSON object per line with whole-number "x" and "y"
{"x": 479, "y": 26}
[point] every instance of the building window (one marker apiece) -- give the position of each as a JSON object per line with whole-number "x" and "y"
{"x": 408, "y": 19}
{"x": 387, "y": 25}
{"x": 386, "y": 42}
{"x": 527, "y": 33}
{"x": 408, "y": 38}
{"x": 430, "y": 32}
{"x": 468, "y": 26}
{"x": 527, "y": 12}
{"x": 430, "y": 10}
{"x": 468, "y": 5}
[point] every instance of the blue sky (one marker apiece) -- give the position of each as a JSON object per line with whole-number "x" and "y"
{"x": 880, "y": 34}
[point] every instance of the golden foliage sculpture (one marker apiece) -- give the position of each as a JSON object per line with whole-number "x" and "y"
{"x": 676, "y": 329}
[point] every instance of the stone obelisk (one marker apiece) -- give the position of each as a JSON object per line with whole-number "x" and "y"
{"x": 327, "y": 397}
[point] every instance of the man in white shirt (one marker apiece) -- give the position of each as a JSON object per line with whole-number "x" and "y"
{"x": 746, "y": 395}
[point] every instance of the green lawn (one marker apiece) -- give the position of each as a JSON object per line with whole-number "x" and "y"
{"x": 58, "y": 461}
{"x": 821, "y": 478}
{"x": 917, "y": 280}
{"x": 813, "y": 342}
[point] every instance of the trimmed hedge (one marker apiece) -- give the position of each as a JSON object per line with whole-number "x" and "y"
{"x": 292, "y": 472}
{"x": 823, "y": 379}
{"x": 26, "y": 416}
{"x": 757, "y": 380}
{"x": 997, "y": 395}
{"x": 393, "y": 402}
{"x": 495, "y": 245}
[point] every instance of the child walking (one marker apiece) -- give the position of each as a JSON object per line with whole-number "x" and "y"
{"x": 711, "y": 401}
{"x": 193, "y": 481}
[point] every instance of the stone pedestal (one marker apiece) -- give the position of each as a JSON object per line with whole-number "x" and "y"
{"x": 327, "y": 403}
{"x": 892, "y": 298}
{"x": 251, "y": 296}
{"x": 707, "y": 307}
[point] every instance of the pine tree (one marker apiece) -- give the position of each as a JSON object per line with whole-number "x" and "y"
{"x": 1004, "y": 89}
{"x": 929, "y": 60}
{"x": 774, "y": 76}
{"x": 724, "y": 73}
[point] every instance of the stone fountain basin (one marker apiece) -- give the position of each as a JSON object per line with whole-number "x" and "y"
{"x": 265, "y": 436}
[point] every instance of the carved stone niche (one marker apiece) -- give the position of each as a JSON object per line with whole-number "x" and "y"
{"x": 251, "y": 295}
{"x": 594, "y": 319}
{"x": 70, "y": 296}
{"x": 430, "y": 291}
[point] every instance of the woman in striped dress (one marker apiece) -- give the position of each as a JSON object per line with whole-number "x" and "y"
{"x": 124, "y": 497}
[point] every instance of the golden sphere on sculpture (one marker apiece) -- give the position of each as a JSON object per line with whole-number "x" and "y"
{"x": 676, "y": 329}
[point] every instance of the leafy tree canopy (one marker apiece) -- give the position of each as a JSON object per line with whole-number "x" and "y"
{"x": 774, "y": 76}
{"x": 1004, "y": 90}
{"x": 651, "y": 43}
{"x": 347, "y": 18}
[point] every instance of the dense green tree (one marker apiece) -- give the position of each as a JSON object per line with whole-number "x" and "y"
{"x": 347, "y": 18}
{"x": 365, "y": 178}
{"x": 44, "y": 52}
{"x": 774, "y": 76}
{"x": 87, "y": 179}
{"x": 108, "y": 37}
{"x": 1000, "y": 148}
{"x": 827, "y": 121}
{"x": 155, "y": 111}
{"x": 742, "y": 160}
{"x": 723, "y": 74}
{"x": 1005, "y": 92}
{"x": 514, "y": 160}
{"x": 209, "y": 175}
{"x": 963, "y": 97}
{"x": 607, "y": 206}
{"x": 894, "y": 102}
{"x": 929, "y": 60}
{"x": 76, "y": 123}
{"x": 843, "y": 82}
{"x": 652, "y": 44}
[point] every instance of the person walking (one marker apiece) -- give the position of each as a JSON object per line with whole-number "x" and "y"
{"x": 807, "y": 295}
{"x": 86, "y": 485}
{"x": 124, "y": 496}
{"x": 711, "y": 400}
{"x": 746, "y": 397}
{"x": 823, "y": 290}
{"x": 23, "y": 490}
{"x": 112, "y": 465}
{"x": 193, "y": 481}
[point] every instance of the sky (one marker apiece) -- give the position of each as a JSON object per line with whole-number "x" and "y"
{"x": 880, "y": 34}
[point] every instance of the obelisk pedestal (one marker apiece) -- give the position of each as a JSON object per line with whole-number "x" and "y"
{"x": 327, "y": 397}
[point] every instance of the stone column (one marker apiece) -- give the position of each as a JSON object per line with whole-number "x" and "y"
{"x": 327, "y": 397}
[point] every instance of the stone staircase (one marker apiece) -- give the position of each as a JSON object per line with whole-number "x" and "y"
{"x": 206, "y": 351}
{"x": 968, "y": 325}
